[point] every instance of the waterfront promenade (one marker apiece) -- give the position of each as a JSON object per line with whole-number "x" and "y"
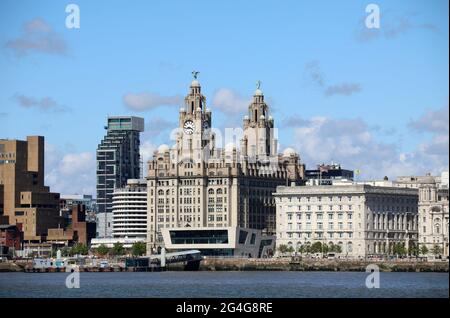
{"x": 271, "y": 264}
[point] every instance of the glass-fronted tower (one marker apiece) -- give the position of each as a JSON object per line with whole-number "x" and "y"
{"x": 117, "y": 161}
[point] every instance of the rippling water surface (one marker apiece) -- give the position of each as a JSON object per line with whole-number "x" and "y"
{"x": 224, "y": 284}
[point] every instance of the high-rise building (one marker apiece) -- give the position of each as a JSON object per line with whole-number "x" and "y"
{"x": 26, "y": 200}
{"x": 130, "y": 210}
{"x": 196, "y": 185}
{"x": 117, "y": 161}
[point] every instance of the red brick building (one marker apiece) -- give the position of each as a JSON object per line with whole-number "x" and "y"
{"x": 11, "y": 237}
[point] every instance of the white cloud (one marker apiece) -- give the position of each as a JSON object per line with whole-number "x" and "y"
{"x": 71, "y": 173}
{"x": 230, "y": 102}
{"x": 345, "y": 89}
{"x": 146, "y": 151}
{"x": 44, "y": 103}
{"x": 157, "y": 126}
{"x": 392, "y": 26}
{"x": 145, "y": 101}
{"x": 37, "y": 36}
{"x": 435, "y": 122}
{"x": 352, "y": 143}
{"x": 314, "y": 73}
{"x": 432, "y": 121}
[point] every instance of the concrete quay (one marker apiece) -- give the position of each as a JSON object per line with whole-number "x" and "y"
{"x": 288, "y": 264}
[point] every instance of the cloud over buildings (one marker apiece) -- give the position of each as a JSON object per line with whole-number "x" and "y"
{"x": 69, "y": 173}
{"x": 435, "y": 121}
{"x": 37, "y": 36}
{"x": 146, "y": 101}
{"x": 352, "y": 143}
{"x": 230, "y": 102}
{"x": 156, "y": 126}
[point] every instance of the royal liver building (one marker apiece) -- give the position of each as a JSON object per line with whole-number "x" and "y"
{"x": 196, "y": 185}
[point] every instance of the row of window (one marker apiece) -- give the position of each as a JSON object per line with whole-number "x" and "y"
{"x": 319, "y": 216}
{"x": 189, "y": 191}
{"x": 319, "y": 207}
{"x": 318, "y": 199}
{"x": 309, "y": 235}
{"x": 319, "y": 226}
{"x": 340, "y": 198}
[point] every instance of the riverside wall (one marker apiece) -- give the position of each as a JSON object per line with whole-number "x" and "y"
{"x": 274, "y": 264}
{"x": 286, "y": 264}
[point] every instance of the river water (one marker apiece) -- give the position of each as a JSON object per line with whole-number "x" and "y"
{"x": 224, "y": 284}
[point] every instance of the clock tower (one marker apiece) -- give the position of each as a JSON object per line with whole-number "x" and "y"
{"x": 195, "y": 141}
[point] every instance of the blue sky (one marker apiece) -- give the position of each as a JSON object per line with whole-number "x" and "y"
{"x": 378, "y": 103}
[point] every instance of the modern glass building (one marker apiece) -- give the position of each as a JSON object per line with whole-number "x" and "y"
{"x": 117, "y": 161}
{"x": 224, "y": 241}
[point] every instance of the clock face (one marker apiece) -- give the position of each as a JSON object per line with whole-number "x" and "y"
{"x": 205, "y": 125}
{"x": 189, "y": 127}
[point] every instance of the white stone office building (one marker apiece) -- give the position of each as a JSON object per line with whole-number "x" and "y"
{"x": 196, "y": 184}
{"x": 434, "y": 214}
{"x": 130, "y": 210}
{"x": 362, "y": 219}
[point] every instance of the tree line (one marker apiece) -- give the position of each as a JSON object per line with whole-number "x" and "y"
{"x": 137, "y": 249}
{"x": 398, "y": 249}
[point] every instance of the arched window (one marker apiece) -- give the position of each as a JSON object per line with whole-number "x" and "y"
{"x": 160, "y": 192}
{"x": 349, "y": 247}
{"x": 219, "y": 191}
{"x": 211, "y": 191}
{"x": 256, "y": 115}
{"x": 437, "y": 229}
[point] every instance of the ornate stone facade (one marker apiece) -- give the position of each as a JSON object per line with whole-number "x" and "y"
{"x": 433, "y": 216}
{"x": 196, "y": 184}
{"x": 364, "y": 220}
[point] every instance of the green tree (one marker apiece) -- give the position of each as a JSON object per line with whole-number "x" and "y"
{"x": 437, "y": 250}
{"x": 283, "y": 248}
{"x": 290, "y": 249}
{"x": 102, "y": 250}
{"x": 331, "y": 247}
{"x": 316, "y": 247}
{"x": 325, "y": 248}
{"x": 401, "y": 249}
{"x": 138, "y": 249}
{"x": 413, "y": 250}
{"x": 424, "y": 250}
{"x": 301, "y": 249}
{"x": 337, "y": 248}
{"x": 66, "y": 251}
{"x": 308, "y": 248}
{"x": 80, "y": 249}
{"x": 118, "y": 249}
